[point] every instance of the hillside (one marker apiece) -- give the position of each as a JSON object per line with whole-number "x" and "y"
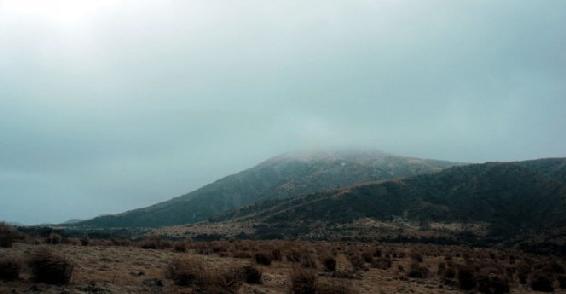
{"x": 505, "y": 199}
{"x": 284, "y": 176}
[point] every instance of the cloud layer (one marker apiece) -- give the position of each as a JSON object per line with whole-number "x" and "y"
{"x": 112, "y": 105}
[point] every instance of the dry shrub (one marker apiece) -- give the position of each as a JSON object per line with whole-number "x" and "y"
{"x": 186, "y": 271}
{"x": 542, "y": 282}
{"x": 9, "y": 268}
{"x": 7, "y": 235}
{"x": 276, "y": 254}
{"x": 358, "y": 263}
{"x": 251, "y": 275}
{"x": 192, "y": 271}
{"x": 242, "y": 254}
{"x": 180, "y": 247}
{"x": 263, "y": 258}
{"x": 382, "y": 263}
{"x": 329, "y": 263}
{"x": 416, "y": 257}
{"x": 334, "y": 286}
{"x": 303, "y": 281}
{"x": 155, "y": 243}
{"x": 50, "y": 268}
{"x": 561, "y": 282}
{"x": 466, "y": 278}
{"x": 54, "y": 238}
{"x": 418, "y": 271}
{"x": 85, "y": 241}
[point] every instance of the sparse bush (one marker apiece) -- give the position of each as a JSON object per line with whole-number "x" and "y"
{"x": 382, "y": 263}
{"x": 180, "y": 247}
{"x": 251, "y": 275}
{"x": 7, "y": 235}
{"x": 561, "y": 282}
{"x": 466, "y": 278}
{"x": 357, "y": 262}
{"x": 9, "y": 269}
{"x": 417, "y": 271}
{"x": 85, "y": 241}
{"x": 50, "y": 268}
{"x": 492, "y": 284}
{"x": 303, "y": 281}
{"x": 54, "y": 238}
{"x": 276, "y": 254}
{"x": 335, "y": 287}
{"x": 186, "y": 271}
{"x": 263, "y": 258}
{"x": 541, "y": 282}
{"x": 329, "y": 263}
{"x": 417, "y": 257}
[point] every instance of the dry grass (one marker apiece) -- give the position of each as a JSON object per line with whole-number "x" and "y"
{"x": 122, "y": 266}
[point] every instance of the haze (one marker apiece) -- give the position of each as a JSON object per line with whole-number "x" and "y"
{"x": 111, "y": 105}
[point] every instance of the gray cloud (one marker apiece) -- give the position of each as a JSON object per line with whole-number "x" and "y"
{"x": 112, "y": 105}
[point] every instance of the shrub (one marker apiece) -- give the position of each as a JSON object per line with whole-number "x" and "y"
{"x": 7, "y": 236}
{"x": 85, "y": 241}
{"x": 417, "y": 271}
{"x": 303, "y": 281}
{"x": 251, "y": 275}
{"x": 466, "y": 278}
{"x": 357, "y": 262}
{"x": 9, "y": 269}
{"x": 276, "y": 254}
{"x": 50, "y": 268}
{"x": 561, "y": 282}
{"x": 335, "y": 287}
{"x": 492, "y": 284}
{"x": 382, "y": 263}
{"x": 263, "y": 258}
{"x": 186, "y": 271}
{"x": 329, "y": 264}
{"x": 53, "y": 238}
{"x": 192, "y": 271}
{"x": 180, "y": 247}
{"x": 541, "y": 282}
{"x": 416, "y": 257}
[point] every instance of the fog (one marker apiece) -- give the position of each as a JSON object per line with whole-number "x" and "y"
{"x": 111, "y": 105}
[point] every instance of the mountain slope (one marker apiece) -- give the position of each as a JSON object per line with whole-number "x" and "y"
{"x": 510, "y": 198}
{"x": 280, "y": 177}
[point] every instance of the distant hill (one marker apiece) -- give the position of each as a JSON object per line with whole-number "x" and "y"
{"x": 505, "y": 199}
{"x": 284, "y": 176}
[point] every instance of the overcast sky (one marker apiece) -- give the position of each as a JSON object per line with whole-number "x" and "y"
{"x": 111, "y": 105}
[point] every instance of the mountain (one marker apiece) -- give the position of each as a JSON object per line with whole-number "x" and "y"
{"x": 496, "y": 200}
{"x": 284, "y": 176}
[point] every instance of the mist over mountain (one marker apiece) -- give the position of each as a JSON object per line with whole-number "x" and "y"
{"x": 288, "y": 175}
{"x": 505, "y": 198}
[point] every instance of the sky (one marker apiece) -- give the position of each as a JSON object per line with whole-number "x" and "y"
{"x": 111, "y": 105}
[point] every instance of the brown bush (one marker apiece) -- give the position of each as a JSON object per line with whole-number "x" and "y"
{"x": 7, "y": 235}
{"x": 329, "y": 263}
{"x": 542, "y": 282}
{"x": 263, "y": 258}
{"x": 186, "y": 271}
{"x": 54, "y": 238}
{"x": 303, "y": 281}
{"x": 192, "y": 271}
{"x": 251, "y": 275}
{"x": 335, "y": 287}
{"x": 466, "y": 278}
{"x": 417, "y": 271}
{"x": 561, "y": 282}
{"x": 276, "y": 254}
{"x": 50, "y": 268}
{"x": 85, "y": 241}
{"x": 180, "y": 247}
{"x": 382, "y": 263}
{"x": 9, "y": 268}
{"x": 357, "y": 262}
